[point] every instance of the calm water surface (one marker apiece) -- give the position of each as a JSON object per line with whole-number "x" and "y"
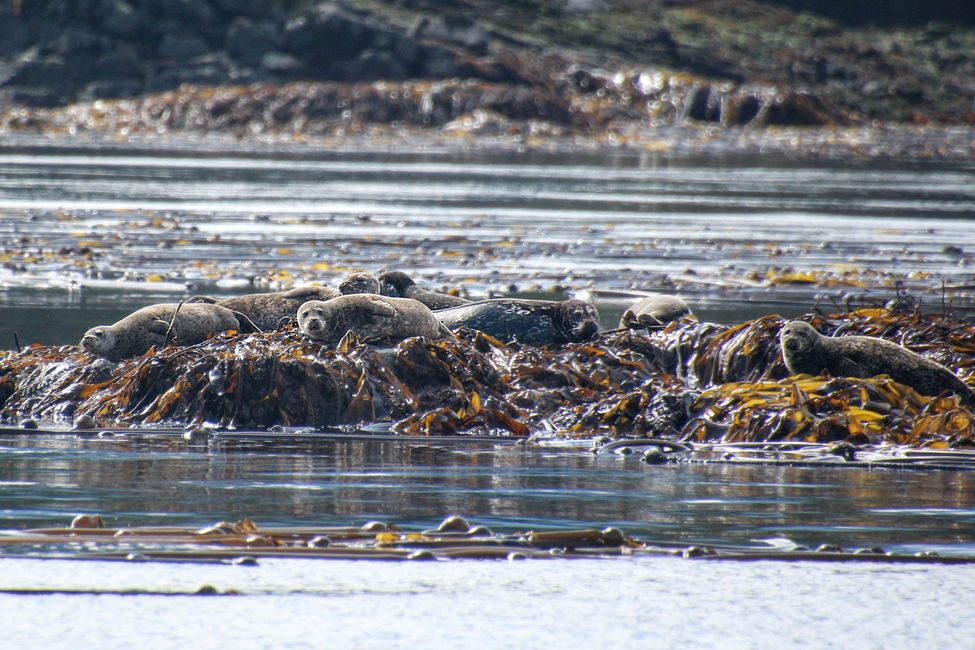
{"x": 230, "y": 222}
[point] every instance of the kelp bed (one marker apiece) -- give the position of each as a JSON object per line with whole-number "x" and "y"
{"x": 245, "y": 543}
{"x": 690, "y": 383}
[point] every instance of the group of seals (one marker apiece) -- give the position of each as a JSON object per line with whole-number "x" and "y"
{"x": 805, "y": 350}
{"x": 326, "y": 315}
{"x": 149, "y": 326}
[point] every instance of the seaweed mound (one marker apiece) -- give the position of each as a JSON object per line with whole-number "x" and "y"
{"x": 697, "y": 382}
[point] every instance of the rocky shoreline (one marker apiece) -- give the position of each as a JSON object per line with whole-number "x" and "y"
{"x": 306, "y": 69}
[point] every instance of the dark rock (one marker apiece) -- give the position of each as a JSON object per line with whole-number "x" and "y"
{"x": 282, "y": 64}
{"x": 250, "y": 8}
{"x": 117, "y": 17}
{"x": 437, "y": 61}
{"x": 210, "y": 70}
{"x": 34, "y": 71}
{"x": 327, "y": 33}
{"x": 181, "y": 46}
{"x": 15, "y": 36}
{"x": 123, "y": 62}
{"x": 373, "y": 65}
{"x": 38, "y": 97}
{"x": 469, "y": 34}
{"x": 74, "y": 41}
{"x": 111, "y": 89}
{"x": 248, "y": 41}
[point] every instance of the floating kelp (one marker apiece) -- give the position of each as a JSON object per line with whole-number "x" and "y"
{"x": 692, "y": 382}
{"x": 245, "y": 543}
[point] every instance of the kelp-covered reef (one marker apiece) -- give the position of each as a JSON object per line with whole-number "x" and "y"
{"x": 688, "y": 382}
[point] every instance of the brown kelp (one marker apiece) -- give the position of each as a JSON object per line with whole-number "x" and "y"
{"x": 691, "y": 382}
{"x": 246, "y": 543}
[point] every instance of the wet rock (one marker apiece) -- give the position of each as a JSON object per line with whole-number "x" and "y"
{"x": 325, "y": 34}
{"x": 249, "y": 42}
{"x": 121, "y": 62}
{"x": 118, "y": 18}
{"x": 181, "y": 46}
{"x": 372, "y": 65}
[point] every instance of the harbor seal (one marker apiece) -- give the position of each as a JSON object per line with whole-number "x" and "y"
{"x": 268, "y": 310}
{"x": 397, "y": 284}
{"x": 356, "y": 283}
{"x": 374, "y": 318}
{"x": 805, "y": 350}
{"x": 147, "y": 327}
{"x": 656, "y": 310}
{"x": 531, "y": 322}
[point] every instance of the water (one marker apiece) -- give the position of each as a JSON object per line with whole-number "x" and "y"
{"x": 163, "y": 225}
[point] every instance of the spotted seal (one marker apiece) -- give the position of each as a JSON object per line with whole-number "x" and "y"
{"x": 397, "y": 284}
{"x": 532, "y": 322}
{"x": 655, "y": 310}
{"x": 356, "y": 283}
{"x": 268, "y": 310}
{"x": 147, "y": 327}
{"x": 374, "y": 318}
{"x": 805, "y": 350}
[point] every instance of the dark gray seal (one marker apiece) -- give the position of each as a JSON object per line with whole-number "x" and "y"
{"x": 147, "y": 327}
{"x": 805, "y": 350}
{"x": 269, "y": 310}
{"x": 397, "y": 284}
{"x": 656, "y": 310}
{"x": 356, "y": 283}
{"x": 374, "y": 318}
{"x": 532, "y": 322}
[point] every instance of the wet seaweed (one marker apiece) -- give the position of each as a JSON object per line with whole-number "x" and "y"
{"x": 246, "y": 543}
{"x": 691, "y": 382}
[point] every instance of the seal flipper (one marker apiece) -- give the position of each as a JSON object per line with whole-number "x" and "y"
{"x": 246, "y": 325}
{"x": 379, "y": 308}
{"x": 159, "y": 326}
{"x": 446, "y": 333}
{"x": 209, "y": 300}
{"x": 847, "y": 367}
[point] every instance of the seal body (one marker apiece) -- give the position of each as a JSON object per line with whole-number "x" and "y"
{"x": 532, "y": 322}
{"x": 397, "y": 284}
{"x": 805, "y": 350}
{"x": 655, "y": 310}
{"x": 147, "y": 327}
{"x": 372, "y": 317}
{"x": 359, "y": 283}
{"x": 268, "y": 310}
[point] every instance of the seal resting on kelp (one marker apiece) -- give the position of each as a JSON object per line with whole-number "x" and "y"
{"x": 531, "y": 322}
{"x": 397, "y": 284}
{"x": 361, "y": 282}
{"x": 374, "y": 318}
{"x": 268, "y": 310}
{"x": 147, "y": 327}
{"x": 805, "y": 350}
{"x": 655, "y": 310}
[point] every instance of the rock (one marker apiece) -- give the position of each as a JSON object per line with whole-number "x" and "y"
{"x": 15, "y": 36}
{"x": 325, "y": 34}
{"x": 74, "y": 41}
{"x": 118, "y": 18}
{"x": 282, "y": 64}
{"x": 373, "y": 65}
{"x": 248, "y": 41}
{"x": 469, "y": 34}
{"x": 122, "y": 62}
{"x": 437, "y": 62}
{"x": 181, "y": 46}
{"x": 209, "y": 70}
{"x": 111, "y": 89}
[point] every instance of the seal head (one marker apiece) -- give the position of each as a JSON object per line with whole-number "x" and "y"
{"x": 577, "y": 320}
{"x": 397, "y": 284}
{"x": 359, "y": 283}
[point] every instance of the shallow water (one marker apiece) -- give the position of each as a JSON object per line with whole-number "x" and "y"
{"x": 163, "y": 226}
